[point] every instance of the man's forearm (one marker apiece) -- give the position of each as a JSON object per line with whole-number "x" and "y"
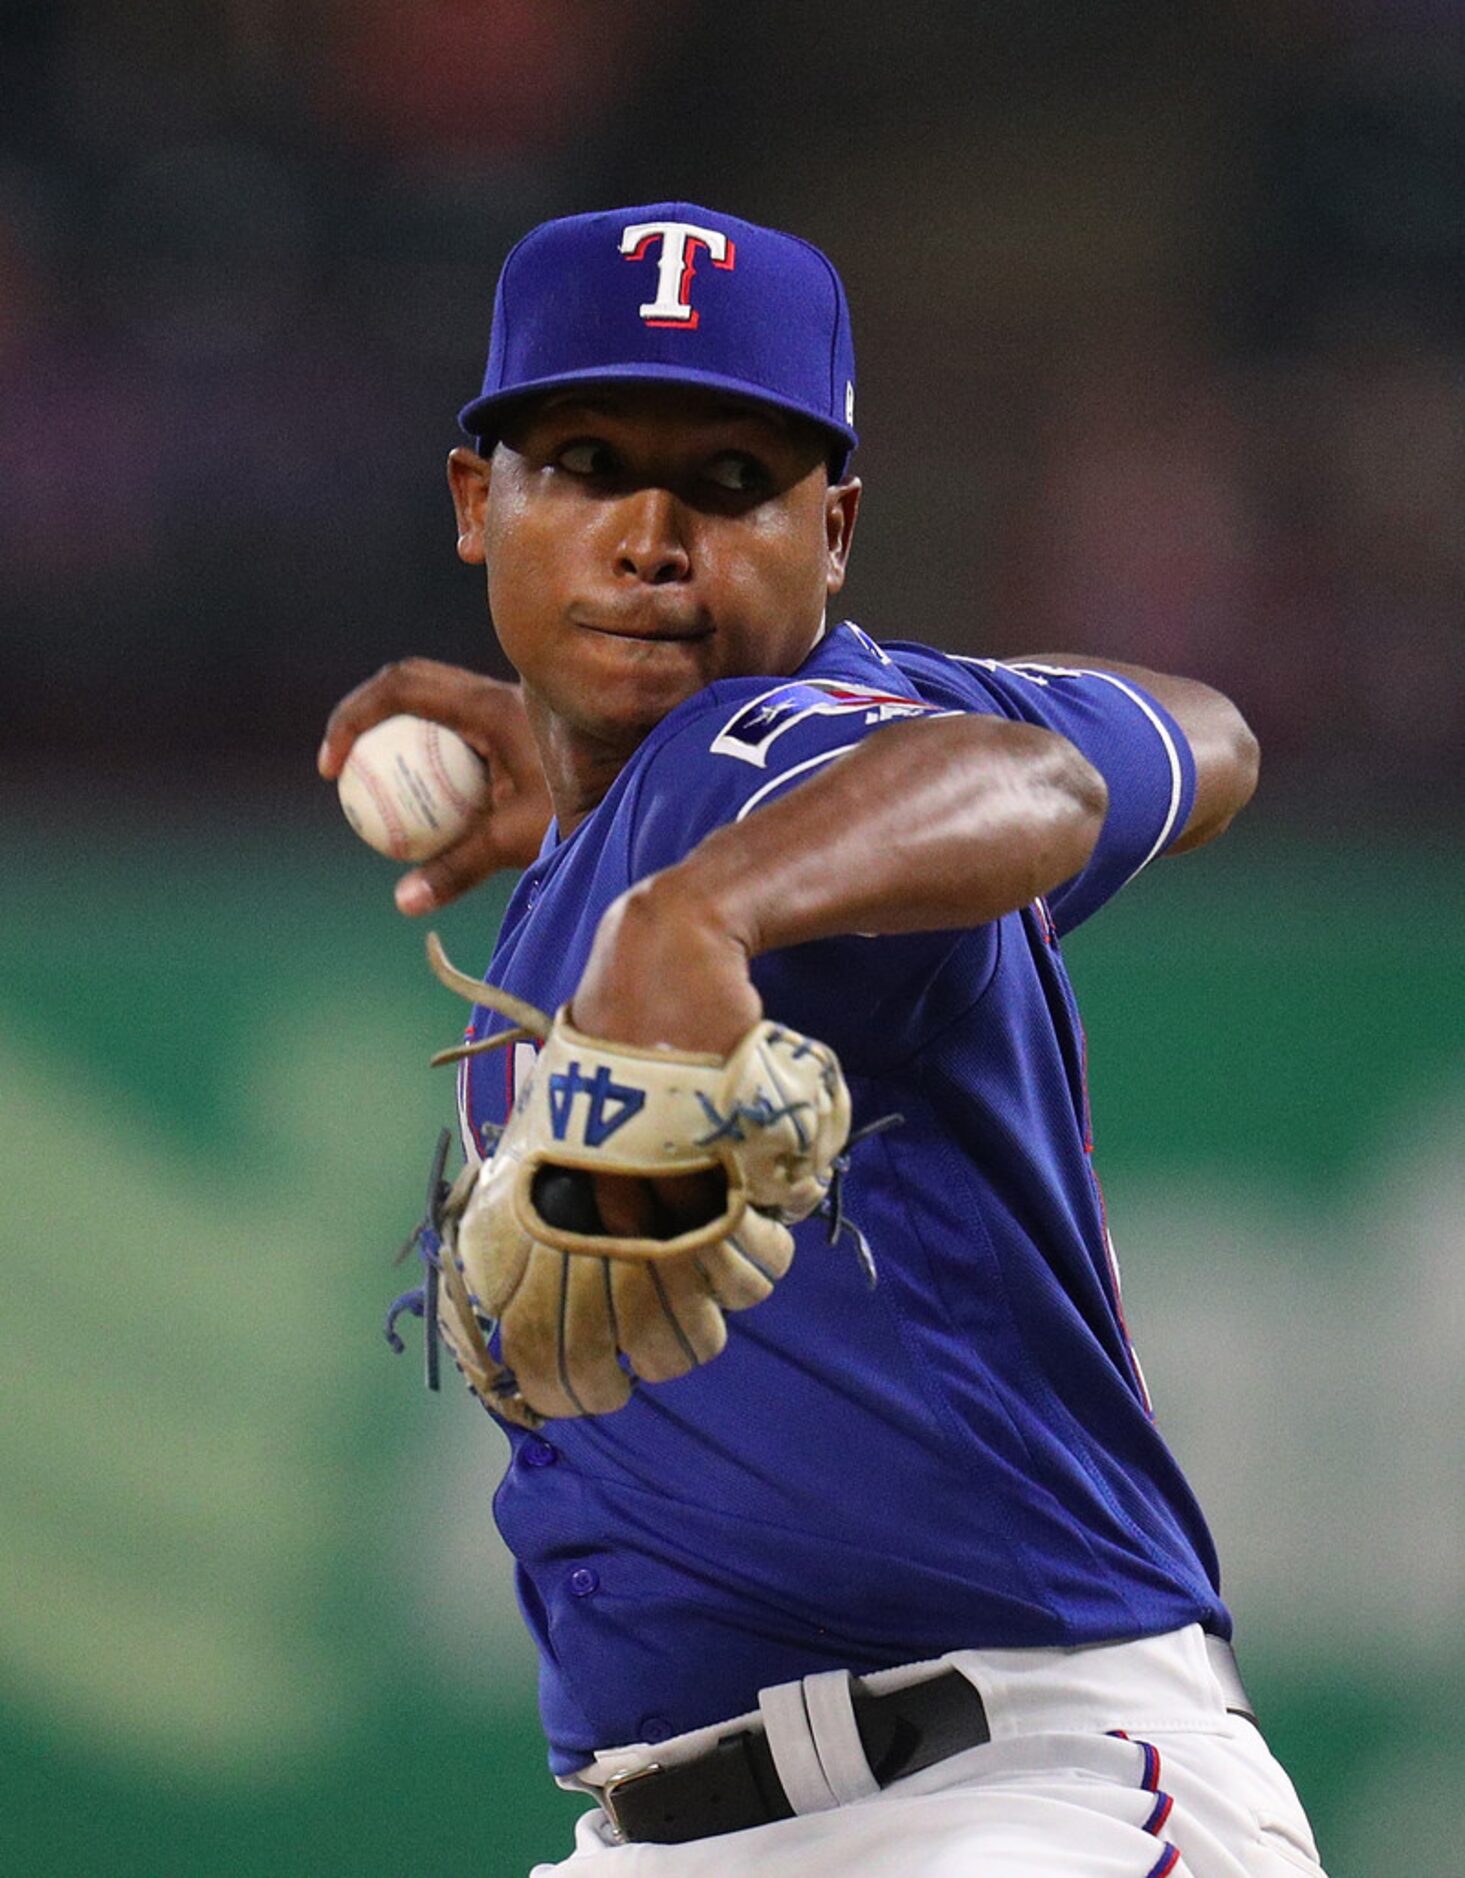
{"x": 941, "y": 823}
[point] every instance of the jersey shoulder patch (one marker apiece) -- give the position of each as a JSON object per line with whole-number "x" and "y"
{"x": 750, "y": 733}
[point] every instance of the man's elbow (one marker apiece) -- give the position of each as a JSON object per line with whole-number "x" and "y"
{"x": 1245, "y": 770}
{"x": 1248, "y": 761}
{"x": 1228, "y": 766}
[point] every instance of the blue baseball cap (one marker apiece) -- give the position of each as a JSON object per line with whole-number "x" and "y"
{"x": 671, "y": 293}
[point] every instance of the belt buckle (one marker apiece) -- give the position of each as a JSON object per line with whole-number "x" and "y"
{"x": 612, "y": 1788}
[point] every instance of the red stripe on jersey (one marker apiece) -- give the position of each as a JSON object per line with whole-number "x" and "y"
{"x": 857, "y": 694}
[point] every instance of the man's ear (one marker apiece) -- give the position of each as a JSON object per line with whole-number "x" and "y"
{"x": 841, "y": 509}
{"x": 469, "y": 476}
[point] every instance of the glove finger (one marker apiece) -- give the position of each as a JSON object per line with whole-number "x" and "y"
{"x": 495, "y": 1275}
{"x": 835, "y": 1114}
{"x": 799, "y": 1198}
{"x": 553, "y": 1312}
{"x": 588, "y": 1351}
{"x": 740, "y": 1271}
{"x": 828, "y": 1124}
{"x": 828, "y": 1119}
{"x": 668, "y": 1321}
{"x": 491, "y": 1247}
{"x": 488, "y": 1379}
{"x": 767, "y": 1242}
{"x": 786, "y": 1161}
{"x": 458, "y": 1336}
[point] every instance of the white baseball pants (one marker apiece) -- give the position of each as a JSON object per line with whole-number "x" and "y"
{"x": 1118, "y": 1761}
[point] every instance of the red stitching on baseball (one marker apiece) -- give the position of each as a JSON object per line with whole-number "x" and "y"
{"x": 432, "y": 750}
{"x": 385, "y": 807}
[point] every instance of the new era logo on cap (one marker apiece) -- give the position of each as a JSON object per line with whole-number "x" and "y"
{"x": 674, "y": 293}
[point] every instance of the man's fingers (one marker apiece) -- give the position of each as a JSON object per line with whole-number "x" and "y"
{"x": 464, "y": 701}
{"x": 368, "y": 704}
{"x": 491, "y": 844}
{"x": 490, "y": 717}
{"x": 626, "y": 1206}
{"x": 632, "y": 1208}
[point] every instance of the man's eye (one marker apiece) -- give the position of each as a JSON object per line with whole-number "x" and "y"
{"x": 586, "y": 457}
{"x": 736, "y": 471}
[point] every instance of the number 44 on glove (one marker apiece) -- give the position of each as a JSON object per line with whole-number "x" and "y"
{"x": 525, "y": 1262}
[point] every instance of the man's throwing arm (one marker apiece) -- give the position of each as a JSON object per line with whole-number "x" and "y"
{"x": 930, "y": 825}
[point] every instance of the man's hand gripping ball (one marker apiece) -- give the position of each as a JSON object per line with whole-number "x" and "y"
{"x": 524, "y": 1250}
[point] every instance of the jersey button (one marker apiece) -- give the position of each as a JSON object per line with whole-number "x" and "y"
{"x": 655, "y": 1728}
{"x": 537, "y": 1453}
{"x": 583, "y": 1582}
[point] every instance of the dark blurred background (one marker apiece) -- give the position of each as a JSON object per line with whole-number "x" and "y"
{"x": 1160, "y": 315}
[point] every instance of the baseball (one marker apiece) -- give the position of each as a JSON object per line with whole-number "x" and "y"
{"x": 410, "y": 788}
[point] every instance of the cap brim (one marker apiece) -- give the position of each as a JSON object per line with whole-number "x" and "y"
{"x": 484, "y": 417}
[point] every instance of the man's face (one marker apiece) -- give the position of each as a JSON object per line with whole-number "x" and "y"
{"x": 644, "y": 541}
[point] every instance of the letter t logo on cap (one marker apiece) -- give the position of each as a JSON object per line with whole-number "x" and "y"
{"x": 675, "y": 266}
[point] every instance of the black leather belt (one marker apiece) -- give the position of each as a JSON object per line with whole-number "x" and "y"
{"x": 735, "y": 1784}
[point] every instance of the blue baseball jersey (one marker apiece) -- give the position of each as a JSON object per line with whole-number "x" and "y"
{"x": 962, "y": 1456}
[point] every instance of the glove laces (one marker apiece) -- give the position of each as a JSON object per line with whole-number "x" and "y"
{"x": 831, "y": 1208}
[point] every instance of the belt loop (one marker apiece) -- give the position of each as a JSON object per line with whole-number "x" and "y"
{"x": 828, "y": 1699}
{"x": 792, "y": 1744}
{"x": 1222, "y": 1658}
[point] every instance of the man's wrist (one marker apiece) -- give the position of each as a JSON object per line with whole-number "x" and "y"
{"x": 702, "y": 893}
{"x": 666, "y": 968}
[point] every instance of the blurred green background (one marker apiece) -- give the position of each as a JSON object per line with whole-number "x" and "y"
{"x": 256, "y": 1619}
{"x": 1161, "y": 323}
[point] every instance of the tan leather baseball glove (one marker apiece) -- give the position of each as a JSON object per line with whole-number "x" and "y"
{"x": 525, "y": 1259}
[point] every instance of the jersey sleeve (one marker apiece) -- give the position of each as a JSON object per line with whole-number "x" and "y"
{"x": 1131, "y": 740}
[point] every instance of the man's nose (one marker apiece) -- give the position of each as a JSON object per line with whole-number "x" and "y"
{"x": 653, "y": 544}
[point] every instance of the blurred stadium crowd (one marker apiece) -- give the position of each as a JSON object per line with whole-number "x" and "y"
{"x": 1160, "y": 314}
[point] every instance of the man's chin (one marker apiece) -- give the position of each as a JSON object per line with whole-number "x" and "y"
{"x": 621, "y": 723}
{"x": 637, "y": 700}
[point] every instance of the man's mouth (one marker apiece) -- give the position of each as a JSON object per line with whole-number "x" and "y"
{"x": 648, "y": 631}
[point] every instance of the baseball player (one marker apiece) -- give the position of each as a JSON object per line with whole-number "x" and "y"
{"x": 842, "y": 1520}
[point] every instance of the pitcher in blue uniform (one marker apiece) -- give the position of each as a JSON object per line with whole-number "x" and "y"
{"x": 905, "y": 1580}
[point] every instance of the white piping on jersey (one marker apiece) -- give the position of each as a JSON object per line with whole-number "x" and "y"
{"x": 777, "y": 782}
{"x": 872, "y": 646}
{"x": 825, "y": 756}
{"x": 1030, "y": 668}
{"x": 471, "y": 1150}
